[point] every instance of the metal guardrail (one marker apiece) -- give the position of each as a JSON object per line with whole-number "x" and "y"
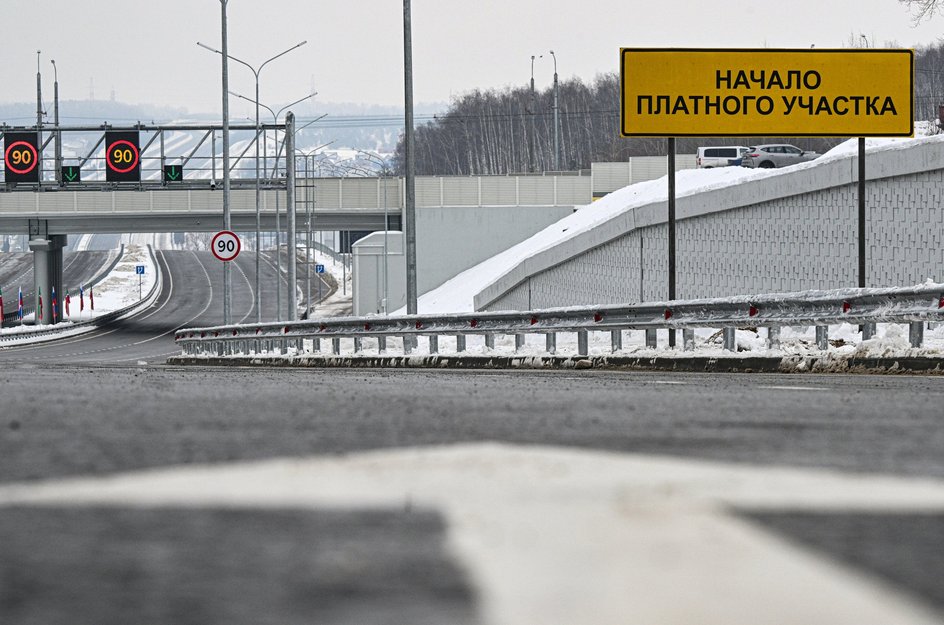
{"x": 51, "y": 331}
{"x": 101, "y": 275}
{"x": 912, "y": 305}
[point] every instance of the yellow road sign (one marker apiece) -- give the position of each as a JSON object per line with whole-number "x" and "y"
{"x": 765, "y": 92}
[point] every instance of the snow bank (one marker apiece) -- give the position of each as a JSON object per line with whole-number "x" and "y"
{"x": 456, "y": 295}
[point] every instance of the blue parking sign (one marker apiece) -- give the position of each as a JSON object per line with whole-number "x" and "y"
{"x": 319, "y": 269}
{"x": 139, "y": 269}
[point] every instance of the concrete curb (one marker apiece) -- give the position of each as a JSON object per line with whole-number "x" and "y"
{"x": 749, "y": 364}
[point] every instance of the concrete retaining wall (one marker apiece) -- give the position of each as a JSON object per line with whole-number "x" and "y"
{"x": 794, "y": 231}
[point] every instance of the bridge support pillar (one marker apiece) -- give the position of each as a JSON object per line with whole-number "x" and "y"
{"x": 47, "y": 274}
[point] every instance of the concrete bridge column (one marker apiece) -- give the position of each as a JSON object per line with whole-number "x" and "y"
{"x": 47, "y": 274}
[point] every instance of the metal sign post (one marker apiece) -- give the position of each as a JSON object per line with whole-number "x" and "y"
{"x": 737, "y": 93}
{"x": 139, "y": 269}
{"x": 671, "y": 167}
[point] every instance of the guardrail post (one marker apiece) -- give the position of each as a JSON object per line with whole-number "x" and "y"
{"x": 316, "y": 345}
{"x": 822, "y": 337}
{"x": 433, "y": 344}
{"x": 460, "y": 342}
{"x": 519, "y": 342}
{"x": 283, "y": 346}
{"x": 688, "y": 340}
{"x": 730, "y": 344}
{"x": 489, "y": 341}
{"x": 651, "y": 339}
{"x": 868, "y": 331}
{"x": 357, "y": 345}
{"x": 550, "y": 343}
{"x": 407, "y": 344}
{"x": 773, "y": 337}
{"x": 916, "y": 333}
{"x": 336, "y": 346}
{"x": 381, "y": 344}
{"x": 583, "y": 343}
{"x": 616, "y": 340}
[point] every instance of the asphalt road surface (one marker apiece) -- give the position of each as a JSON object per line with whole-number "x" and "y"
{"x": 131, "y": 491}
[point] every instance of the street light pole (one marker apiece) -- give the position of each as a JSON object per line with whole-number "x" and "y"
{"x": 39, "y": 113}
{"x": 275, "y": 167}
{"x": 556, "y": 119}
{"x": 255, "y": 73}
{"x": 55, "y": 108}
{"x": 227, "y": 222}
{"x": 410, "y": 204}
{"x": 531, "y": 142}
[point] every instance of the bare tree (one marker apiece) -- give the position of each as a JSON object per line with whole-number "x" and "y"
{"x": 924, "y": 8}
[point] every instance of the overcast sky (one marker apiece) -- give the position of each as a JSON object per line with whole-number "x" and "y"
{"x": 146, "y": 51}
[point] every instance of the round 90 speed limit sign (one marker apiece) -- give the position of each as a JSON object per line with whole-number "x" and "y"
{"x": 225, "y": 245}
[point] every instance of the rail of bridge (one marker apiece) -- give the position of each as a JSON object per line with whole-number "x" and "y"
{"x": 50, "y": 332}
{"x": 913, "y": 306}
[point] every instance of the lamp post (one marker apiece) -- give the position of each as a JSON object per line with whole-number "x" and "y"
{"x": 55, "y": 109}
{"x": 409, "y": 208}
{"x": 39, "y": 114}
{"x": 531, "y": 111}
{"x": 227, "y": 222}
{"x": 278, "y": 258}
{"x": 309, "y": 156}
{"x": 255, "y": 73}
{"x": 556, "y": 119}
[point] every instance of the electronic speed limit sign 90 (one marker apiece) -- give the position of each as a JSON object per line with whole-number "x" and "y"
{"x": 122, "y": 156}
{"x": 226, "y": 245}
{"x": 21, "y": 156}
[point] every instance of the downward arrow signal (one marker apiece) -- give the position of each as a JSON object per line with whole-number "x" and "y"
{"x": 71, "y": 174}
{"x": 173, "y": 173}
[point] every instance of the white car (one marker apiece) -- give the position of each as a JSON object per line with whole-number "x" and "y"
{"x": 719, "y": 156}
{"x": 776, "y": 155}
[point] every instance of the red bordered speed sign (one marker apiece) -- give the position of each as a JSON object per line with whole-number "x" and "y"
{"x": 225, "y": 245}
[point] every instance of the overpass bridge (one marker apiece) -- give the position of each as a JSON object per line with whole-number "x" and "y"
{"x": 335, "y": 203}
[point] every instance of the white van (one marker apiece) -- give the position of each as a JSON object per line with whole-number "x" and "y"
{"x": 720, "y": 156}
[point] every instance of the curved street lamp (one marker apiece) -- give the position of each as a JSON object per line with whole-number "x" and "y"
{"x": 256, "y": 72}
{"x": 556, "y": 119}
{"x": 278, "y": 228}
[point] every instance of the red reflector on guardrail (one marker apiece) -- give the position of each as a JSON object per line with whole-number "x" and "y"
{"x": 752, "y": 311}
{"x": 668, "y": 313}
{"x": 846, "y": 307}
{"x": 285, "y": 330}
{"x": 203, "y": 335}
{"x": 419, "y": 325}
{"x": 940, "y": 304}
{"x": 322, "y": 327}
{"x": 235, "y": 332}
{"x": 474, "y": 323}
{"x": 367, "y": 326}
{"x": 258, "y": 330}
{"x": 216, "y": 333}
{"x": 597, "y": 317}
{"x": 534, "y": 320}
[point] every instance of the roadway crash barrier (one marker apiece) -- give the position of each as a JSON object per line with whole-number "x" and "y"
{"x": 913, "y": 306}
{"x": 52, "y": 331}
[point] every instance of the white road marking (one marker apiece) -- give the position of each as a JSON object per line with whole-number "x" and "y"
{"x": 667, "y": 382}
{"x": 561, "y": 536}
{"x": 794, "y": 388}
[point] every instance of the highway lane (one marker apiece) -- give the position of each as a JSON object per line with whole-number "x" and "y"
{"x": 383, "y": 563}
{"x": 191, "y": 295}
{"x": 430, "y": 535}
